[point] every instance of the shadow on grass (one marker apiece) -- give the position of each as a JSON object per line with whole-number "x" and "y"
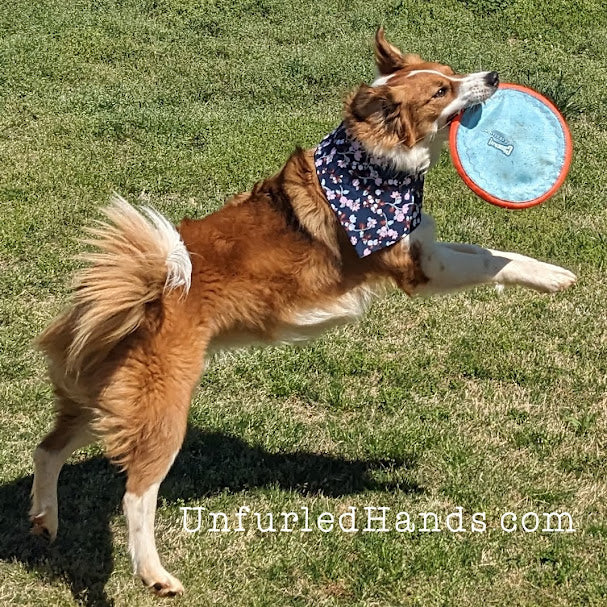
{"x": 90, "y": 495}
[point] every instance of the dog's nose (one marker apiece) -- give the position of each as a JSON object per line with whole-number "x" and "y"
{"x": 492, "y": 79}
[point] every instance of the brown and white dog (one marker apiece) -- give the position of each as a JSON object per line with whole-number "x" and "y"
{"x": 272, "y": 265}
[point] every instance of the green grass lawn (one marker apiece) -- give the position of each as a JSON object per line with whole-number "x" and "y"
{"x": 488, "y": 402}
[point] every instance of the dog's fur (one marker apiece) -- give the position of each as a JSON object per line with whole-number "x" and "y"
{"x": 273, "y": 265}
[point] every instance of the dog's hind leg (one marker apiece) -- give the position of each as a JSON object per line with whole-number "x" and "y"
{"x": 139, "y": 504}
{"x": 153, "y": 451}
{"x": 142, "y": 422}
{"x": 72, "y": 431}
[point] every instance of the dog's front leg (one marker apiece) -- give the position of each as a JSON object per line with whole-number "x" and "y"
{"x": 453, "y": 266}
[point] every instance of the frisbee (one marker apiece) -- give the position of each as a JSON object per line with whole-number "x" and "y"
{"x": 514, "y": 150}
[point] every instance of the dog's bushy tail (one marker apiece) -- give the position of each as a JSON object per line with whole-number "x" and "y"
{"x": 136, "y": 258}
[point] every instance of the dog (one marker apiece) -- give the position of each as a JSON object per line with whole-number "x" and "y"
{"x": 297, "y": 255}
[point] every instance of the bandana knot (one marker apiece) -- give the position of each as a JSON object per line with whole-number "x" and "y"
{"x": 376, "y": 204}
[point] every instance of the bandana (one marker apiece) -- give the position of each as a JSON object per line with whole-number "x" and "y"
{"x": 376, "y": 204}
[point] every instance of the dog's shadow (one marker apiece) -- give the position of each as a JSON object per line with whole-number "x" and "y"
{"x": 90, "y": 495}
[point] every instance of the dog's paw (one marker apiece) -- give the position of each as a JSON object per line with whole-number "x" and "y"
{"x": 44, "y": 524}
{"x": 552, "y": 279}
{"x": 163, "y": 584}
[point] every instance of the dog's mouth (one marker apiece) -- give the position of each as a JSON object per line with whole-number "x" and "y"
{"x": 452, "y": 117}
{"x": 479, "y": 98}
{"x": 474, "y": 90}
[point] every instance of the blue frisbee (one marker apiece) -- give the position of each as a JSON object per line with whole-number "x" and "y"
{"x": 514, "y": 150}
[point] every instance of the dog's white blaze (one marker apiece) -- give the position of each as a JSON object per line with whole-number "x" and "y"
{"x": 415, "y": 72}
{"x": 381, "y": 80}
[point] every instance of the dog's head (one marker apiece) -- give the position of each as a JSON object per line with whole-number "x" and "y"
{"x": 403, "y": 115}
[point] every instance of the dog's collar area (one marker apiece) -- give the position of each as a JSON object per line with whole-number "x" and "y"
{"x": 376, "y": 204}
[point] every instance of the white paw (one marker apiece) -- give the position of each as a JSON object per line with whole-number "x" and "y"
{"x": 162, "y": 583}
{"x": 44, "y": 522}
{"x": 43, "y": 512}
{"x": 552, "y": 279}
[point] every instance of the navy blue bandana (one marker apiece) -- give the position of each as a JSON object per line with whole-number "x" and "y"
{"x": 374, "y": 203}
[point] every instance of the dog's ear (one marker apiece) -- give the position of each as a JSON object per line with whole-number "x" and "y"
{"x": 374, "y": 104}
{"x": 372, "y": 101}
{"x": 388, "y": 58}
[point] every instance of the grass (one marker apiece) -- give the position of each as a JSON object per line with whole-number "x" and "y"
{"x": 492, "y": 403}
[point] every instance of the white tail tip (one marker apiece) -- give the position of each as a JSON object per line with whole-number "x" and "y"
{"x": 179, "y": 265}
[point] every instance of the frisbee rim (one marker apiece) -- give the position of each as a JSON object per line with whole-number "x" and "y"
{"x": 500, "y": 202}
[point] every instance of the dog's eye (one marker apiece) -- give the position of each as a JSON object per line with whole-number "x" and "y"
{"x": 442, "y": 91}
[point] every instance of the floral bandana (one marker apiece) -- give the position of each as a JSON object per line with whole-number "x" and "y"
{"x": 375, "y": 204}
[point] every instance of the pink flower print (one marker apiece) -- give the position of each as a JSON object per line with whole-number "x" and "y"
{"x": 376, "y": 206}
